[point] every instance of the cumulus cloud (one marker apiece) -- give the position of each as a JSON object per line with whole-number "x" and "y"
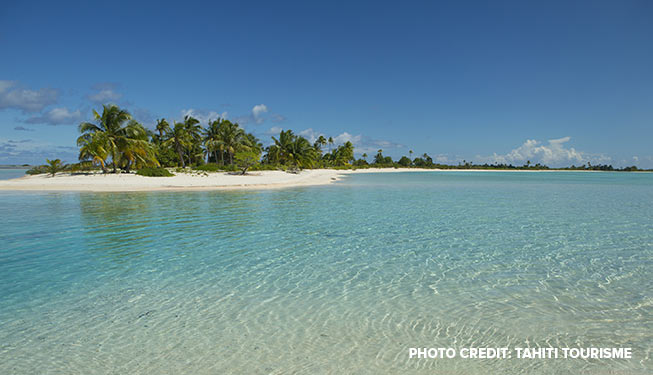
{"x": 346, "y": 137}
{"x": 275, "y": 130}
{"x": 104, "y": 93}
{"x": 202, "y": 115}
{"x": 56, "y": 116}
{"x": 12, "y": 96}
{"x": 258, "y": 111}
{"x": 553, "y": 153}
{"x": 258, "y": 115}
{"x": 311, "y": 134}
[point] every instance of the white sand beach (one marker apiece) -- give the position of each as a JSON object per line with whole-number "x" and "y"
{"x": 196, "y": 180}
{"x": 181, "y": 181}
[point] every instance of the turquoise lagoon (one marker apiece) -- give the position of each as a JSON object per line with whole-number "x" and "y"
{"x": 336, "y": 279}
{"x": 7, "y": 174}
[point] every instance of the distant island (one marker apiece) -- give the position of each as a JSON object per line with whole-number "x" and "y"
{"x": 14, "y": 166}
{"x": 115, "y": 142}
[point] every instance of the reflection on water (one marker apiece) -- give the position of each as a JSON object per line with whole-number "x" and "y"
{"x": 119, "y": 226}
{"x": 335, "y": 279}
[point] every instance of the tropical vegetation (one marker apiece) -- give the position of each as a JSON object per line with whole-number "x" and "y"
{"x": 154, "y": 172}
{"x": 54, "y": 166}
{"x": 115, "y": 142}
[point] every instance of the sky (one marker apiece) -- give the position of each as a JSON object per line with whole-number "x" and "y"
{"x": 556, "y": 82}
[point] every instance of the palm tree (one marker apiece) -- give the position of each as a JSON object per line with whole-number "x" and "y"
{"x": 364, "y": 156}
{"x": 231, "y": 136}
{"x": 212, "y": 141}
{"x": 378, "y": 159}
{"x": 110, "y": 126}
{"x": 343, "y": 154}
{"x": 179, "y": 140}
{"x": 136, "y": 150}
{"x": 330, "y": 143}
{"x": 92, "y": 148}
{"x": 301, "y": 153}
{"x": 54, "y": 166}
{"x": 194, "y": 131}
{"x": 320, "y": 142}
{"x": 251, "y": 143}
{"x": 271, "y": 154}
{"x": 162, "y": 127}
{"x": 293, "y": 149}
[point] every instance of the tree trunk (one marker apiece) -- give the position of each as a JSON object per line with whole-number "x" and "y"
{"x": 221, "y": 157}
{"x": 215, "y": 156}
{"x": 181, "y": 156}
{"x": 231, "y": 158}
{"x": 113, "y": 160}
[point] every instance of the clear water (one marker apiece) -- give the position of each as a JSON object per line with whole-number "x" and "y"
{"x": 7, "y": 174}
{"x": 335, "y": 279}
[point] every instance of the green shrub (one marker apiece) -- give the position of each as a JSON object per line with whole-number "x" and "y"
{"x": 55, "y": 166}
{"x": 246, "y": 160}
{"x": 39, "y": 169}
{"x": 210, "y": 167}
{"x": 154, "y": 172}
{"x": 83, "y": 166}
{"x": 267, "y": 167}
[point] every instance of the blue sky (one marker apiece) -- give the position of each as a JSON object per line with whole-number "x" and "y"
{"x": 559, "y": 82}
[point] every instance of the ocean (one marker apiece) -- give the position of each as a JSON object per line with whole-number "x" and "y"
{"x": 344, "y": 278}
{"x": 7, "y": 174}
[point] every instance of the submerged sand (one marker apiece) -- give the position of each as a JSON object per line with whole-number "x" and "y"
{"x": 100, "y": 182}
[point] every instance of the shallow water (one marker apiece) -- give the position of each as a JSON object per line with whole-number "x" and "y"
{"x": 335, "y": 279}
{"x": 7, "y": 174}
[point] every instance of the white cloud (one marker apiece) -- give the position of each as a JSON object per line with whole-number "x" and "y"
{"x": 105, "y": 96}
{"x": 346, "y": 137}
{"x": 56, "y": 116}
{"x": 310, "y": 134}
{"x": 105, "y": 93}
{"x": 258, "y": 111}
{"x": 29, "y": 101}
{"x": 258, "y": 115}
{"x": 313, "y": 135}
{"x": 203, "y": 116}
{"x": 275, "y": 130}
{"x": 553, "y": 153}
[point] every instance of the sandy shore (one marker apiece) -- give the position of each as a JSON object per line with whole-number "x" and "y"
{"x": 192, "y": 181}
{"x": 181, "y": 181}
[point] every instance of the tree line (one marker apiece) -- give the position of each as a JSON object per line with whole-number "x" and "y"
{"x": 114, "y": 142}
